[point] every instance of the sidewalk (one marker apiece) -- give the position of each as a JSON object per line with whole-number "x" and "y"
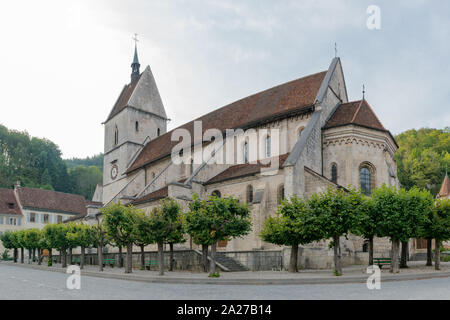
{"x": 353, "y": 274}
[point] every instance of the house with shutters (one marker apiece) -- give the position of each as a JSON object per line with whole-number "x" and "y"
{"x": 24, "y": 208}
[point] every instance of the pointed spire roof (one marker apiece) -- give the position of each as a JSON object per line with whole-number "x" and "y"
{"x": 445, "y": 188}
{"x": 135, "y": 59}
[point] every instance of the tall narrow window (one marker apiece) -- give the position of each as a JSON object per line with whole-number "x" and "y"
{"x": 191, "y": 167}
{"x": 245, "y": 153}
{"x": 366, "y": 177}
{"x": 334, "y": 173}
{"x": 136, "y": 125}
{"x": 268, "y": 146}
{"x": 280, "y": 193}
{"x": 249, "y": 194}
{"x": 158, "y": 132}
{"x": 116, "y": 136}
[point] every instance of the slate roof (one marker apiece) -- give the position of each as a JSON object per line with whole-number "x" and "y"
{"x": 51, "y": 200}
{"x": 355, "y": 112}
{"x": 243, "y": 170}
{"x": 124, "y": 97}
{"x": 8, "y": 203}
{"x": 294, "y": 96}
{"x": 445, "y": 188}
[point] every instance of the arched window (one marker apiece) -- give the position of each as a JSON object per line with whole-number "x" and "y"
{"x": 299, "y": 131}
{"x": 367, "y": 178}
{"x": 334, "y": 173}
{"x": 280, "y": 196}
{"x": 116, "y": 135}
{"x": 268, "y": 146}
{"x": 216, "y": 193}
{"x": 136, "y": 126}
{"x": 249, "y": 194}
{"x": 245, "y": 152}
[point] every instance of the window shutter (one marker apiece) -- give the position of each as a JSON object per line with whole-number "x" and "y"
{"x": 28, "y": 217}
{"x": 7, "y": 220}
{"x": 42, "y": 218}
{"x": 1, "y": 220}
{"x": 19, "y": 221}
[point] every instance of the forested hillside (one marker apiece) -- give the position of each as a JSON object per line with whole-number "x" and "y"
{"x": 423, "y": 157}
{"x": 37, "y": 163}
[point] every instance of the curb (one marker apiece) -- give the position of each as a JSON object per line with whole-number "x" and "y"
{"x": 215, "y": 281}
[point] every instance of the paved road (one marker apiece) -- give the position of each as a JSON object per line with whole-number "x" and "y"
{"x": 23, "y": 283}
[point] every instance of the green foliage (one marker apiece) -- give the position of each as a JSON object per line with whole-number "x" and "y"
{"x": 31, "y": 238}
{"x": 96, "y": 161}
{"x": 367, "y": 222}
{"x": 214, "y": 275}
{"x": 208, "y": 222}
{"x": 7, "y": 240}
{"x": 165, "y": 224}
{"x": 5, "y": 255}
{"x": 440, "y": 220}
{"x": 423, "y": 157}
{"x": 119, "y": 221}
{"x": 84, "y": 180}
{"x": 335, "y": 211}
{"x": 293, "y": 224}
{"x": 80, "y": 235}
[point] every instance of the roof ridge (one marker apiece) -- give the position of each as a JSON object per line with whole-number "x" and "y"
{"x": 373, "y": 112}
{"x": 357, "y": 110}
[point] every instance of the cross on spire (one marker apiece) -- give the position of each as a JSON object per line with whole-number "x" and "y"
{"x": 135, "y": 65}
{"x": 135, "y": 39}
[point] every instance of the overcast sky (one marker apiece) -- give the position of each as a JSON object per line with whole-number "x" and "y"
{"x": 64, "y": 63}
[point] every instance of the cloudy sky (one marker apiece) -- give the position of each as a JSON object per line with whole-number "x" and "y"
{"x": 63, "y": 63}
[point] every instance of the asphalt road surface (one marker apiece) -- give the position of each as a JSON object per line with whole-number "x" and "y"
{"x": 22, "y": 283}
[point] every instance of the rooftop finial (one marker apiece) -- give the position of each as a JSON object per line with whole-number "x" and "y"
{"x": 135, "y": 65}
{"x": 335, "y": 50}
{"x": 364, "y": 91}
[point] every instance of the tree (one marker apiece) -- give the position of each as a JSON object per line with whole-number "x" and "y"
{"x": 440, "y": 227}
{"x": 367, "y": 224}
{"x": 31, "y": 239}
{"x": 119, "y": 223}
{"x": 82, "y": 235}
{"x": 163, "y": 225}
{"x": 7, "y": 239}
{"x": 293, "y": 225}
{"x": 215, "y": 220}
{"x": 142, "y": 236}
{"x": 335, "y": 212}
{"x": 57, "y": 238}
{"x": 20, "y": 242}
{"x": 100, "y": 239}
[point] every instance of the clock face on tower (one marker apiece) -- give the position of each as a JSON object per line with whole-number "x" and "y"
{"x": 114, "y": 171}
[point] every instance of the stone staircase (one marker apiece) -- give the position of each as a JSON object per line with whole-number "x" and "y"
{"x": 229, "y": 263}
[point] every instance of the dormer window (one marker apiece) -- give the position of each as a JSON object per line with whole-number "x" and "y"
{"x": 10, "y": 205}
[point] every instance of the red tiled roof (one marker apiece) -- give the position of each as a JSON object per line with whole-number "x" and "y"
{"x": 242, "y": 170}
{"x": 155, "y": 195}
{"x": 8, "y": 203}
{"x": 123, "y": 99}
{"x": 51, "y": 200}
{"x": 445, "y": 188}
{"x": 292, "y": 96}
{"x": 356, "y": 112}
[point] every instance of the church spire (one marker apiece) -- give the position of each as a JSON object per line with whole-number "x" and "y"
{"x": 135, "y": 65}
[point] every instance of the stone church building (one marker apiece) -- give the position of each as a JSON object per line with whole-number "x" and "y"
{"x": 323, "y": 139}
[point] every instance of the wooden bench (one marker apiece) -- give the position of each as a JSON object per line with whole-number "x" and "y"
{"x": 110, "y": 262}
{"x": 149, "y": 263}
{"x": 383, "y": 262}
{"x": 76, "y": 261}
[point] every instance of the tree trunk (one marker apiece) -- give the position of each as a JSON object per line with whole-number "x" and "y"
{"x": 371, "y": 251}
{"x": 34, "y": 254}
{"x": 129, "y": 257}
{"x": 120, "y": 257}
{"x": 171, "y": 263}
{"x": 142, "y": 258}
{"x": 394, "y": 257}
{"x": 100, "y": 257}
{"x": 70, "y": 256}
{"x": 212, "y": 264}
{"x": 294, "y": 258}
{"x": 22, "y": 255}
{"x": 63, "y": 254}
{"x": 205, "y": 257}
{"x": 83, "y": 257}
{"x": 16, "y": 253}
{"x": 30, "y": 256}
{"x": 337, "y": 256}
{"x": 404, "y": 255}
{"x": 50, "y": 255}
{"x": 429, "y": 252}
{"x": 161, "y": 258}
{"x": 437, "y": 255}
{"x": 39, "y": 256}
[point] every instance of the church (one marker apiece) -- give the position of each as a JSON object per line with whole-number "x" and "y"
{"x": 309, "y": 136}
